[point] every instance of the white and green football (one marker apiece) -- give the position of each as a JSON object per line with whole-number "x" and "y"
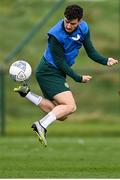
{"x": 20, "y": 71}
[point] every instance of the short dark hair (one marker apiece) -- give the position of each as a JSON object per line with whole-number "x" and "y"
{"x": 73, "y": 12}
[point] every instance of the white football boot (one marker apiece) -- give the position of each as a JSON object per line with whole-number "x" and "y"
{"x": 40, "y": 131}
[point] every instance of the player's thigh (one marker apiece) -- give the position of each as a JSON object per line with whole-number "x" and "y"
{"x": 65, "y": 97}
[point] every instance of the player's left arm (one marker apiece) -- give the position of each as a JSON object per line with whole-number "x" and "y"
{"x": 95, "y": 55}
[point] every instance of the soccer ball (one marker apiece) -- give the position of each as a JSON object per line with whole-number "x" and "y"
{"x": 20, "y": 71}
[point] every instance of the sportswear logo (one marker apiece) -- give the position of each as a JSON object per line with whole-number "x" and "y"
{"x": 76, "y": 38}
{"x": 66, "y": 85}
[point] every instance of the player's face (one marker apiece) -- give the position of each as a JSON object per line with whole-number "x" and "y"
{"x": 70, "y": 25}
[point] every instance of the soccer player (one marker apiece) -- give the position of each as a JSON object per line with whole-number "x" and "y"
{"x": 64, "y": 41}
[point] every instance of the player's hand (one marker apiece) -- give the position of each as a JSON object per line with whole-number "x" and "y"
{"x": 86, "y": 78}
{"x": 112, "y": 61}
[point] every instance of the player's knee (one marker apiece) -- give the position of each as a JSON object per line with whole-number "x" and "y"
{"x": 72, "y": 108}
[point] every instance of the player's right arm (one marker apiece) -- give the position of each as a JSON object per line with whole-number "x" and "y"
{"x": 57, "y": 52}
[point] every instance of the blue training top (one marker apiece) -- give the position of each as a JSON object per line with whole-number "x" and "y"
{"x": 71, "y": 42}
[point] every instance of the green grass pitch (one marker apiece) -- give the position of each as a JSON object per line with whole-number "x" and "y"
{"x": 65, "y": 157}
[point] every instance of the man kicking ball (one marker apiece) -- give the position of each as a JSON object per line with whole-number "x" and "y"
{"x": 65, "y": 39}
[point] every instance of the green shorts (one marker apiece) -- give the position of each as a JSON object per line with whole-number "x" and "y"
{"x": 51, "y": 80}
